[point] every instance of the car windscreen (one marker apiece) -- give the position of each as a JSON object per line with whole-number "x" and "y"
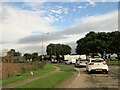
{"x": 98, "y": 60}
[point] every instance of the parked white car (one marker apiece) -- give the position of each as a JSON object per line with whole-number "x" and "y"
{"x": 97, "y": 65}
{"x": 54, "y": 61}
{"x": 80, "y": 62}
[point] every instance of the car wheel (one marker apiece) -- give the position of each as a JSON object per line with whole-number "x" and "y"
{"x": 106, "y": 72}
{"x": 89, "y": 72}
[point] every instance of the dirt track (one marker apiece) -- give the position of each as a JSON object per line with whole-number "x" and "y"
{"x": 81, "y": 79}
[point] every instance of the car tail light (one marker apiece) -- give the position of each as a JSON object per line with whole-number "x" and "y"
{"x": 104, "y": 63}
{"x": 91, "y": 63}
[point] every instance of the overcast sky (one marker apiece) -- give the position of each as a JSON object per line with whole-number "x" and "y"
{"x": 25, "y": 25}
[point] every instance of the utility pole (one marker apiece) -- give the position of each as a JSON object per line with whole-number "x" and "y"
{"x": 42, "y": 45}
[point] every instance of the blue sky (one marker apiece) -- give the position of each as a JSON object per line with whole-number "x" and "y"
{"x": 66, "y": 22}
{"x": 74, "y": 10}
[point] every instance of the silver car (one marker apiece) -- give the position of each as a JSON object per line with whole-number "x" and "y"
{"x": 80, "y": 62}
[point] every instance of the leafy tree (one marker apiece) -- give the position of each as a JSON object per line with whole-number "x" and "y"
{"x": 13, "y": 55}
{"x": 115, "y": 44}
{"x": 35, "y": 57}
{"x": 27, "y": 56}
{"x": 66, "y": 49}
{"x": 99, "y": 42}
{"x": 11, "y": 52}
{"x": 58, "y": 49}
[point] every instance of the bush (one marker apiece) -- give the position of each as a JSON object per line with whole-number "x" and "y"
{"x": 37, "y": 65}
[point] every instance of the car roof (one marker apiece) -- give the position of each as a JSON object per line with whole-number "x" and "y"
{"x": 99, "y": 58}
{"x": 96, "y": 58}
{"x": 91, "y": 58}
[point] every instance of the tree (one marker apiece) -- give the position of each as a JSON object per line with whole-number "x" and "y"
{"x": 99, "y": 42}
{"x": 66, "y": 49}
{"x": 11, "y": 52}
{"x": 13, "y": 55}
{"x": 58, "y": 49}
{"x": 35, "y": 57}
{"x": 115, "y": 44}
{"x": 27, "y": 56}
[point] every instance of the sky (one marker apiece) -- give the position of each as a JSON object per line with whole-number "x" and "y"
{"x": 26, "y": 25}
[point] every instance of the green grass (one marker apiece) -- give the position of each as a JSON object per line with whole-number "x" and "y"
{"x": 52, "y": 80}
{"x": 113, "y": 62}
{"x": 44, "y": 70}
{"x": 63, "y": 67}
{"x": 41, "y": 71}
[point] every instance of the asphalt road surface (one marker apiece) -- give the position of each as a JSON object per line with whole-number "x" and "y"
{"x": 81, "y": 79}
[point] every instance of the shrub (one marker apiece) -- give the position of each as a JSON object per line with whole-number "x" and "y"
{"x": 37, "y": 65}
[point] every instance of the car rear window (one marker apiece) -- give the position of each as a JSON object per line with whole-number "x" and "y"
{"x": 65, "y": 60}
{"x": 83, "y": 60}
{"x": 97, "y": 60}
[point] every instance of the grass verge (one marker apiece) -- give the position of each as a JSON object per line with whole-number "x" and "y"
{"x": 113, "y": 62}
{"x": 52, "y": 80}
{"x": 39, "y": 72}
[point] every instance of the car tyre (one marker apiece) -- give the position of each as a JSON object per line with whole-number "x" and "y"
{"x": 106, "y": 72}
{"x": 89, "y": 72}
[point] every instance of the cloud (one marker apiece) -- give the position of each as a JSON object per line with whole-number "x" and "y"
{"x": 19, "y": 23}
{"x": 91, "y": 2}
{"x": 20, "y": 28}
{"x": 103, "y": 22}
{"x": 3, "y": 52}
{"x": 81, "y": 7}
{"x": 101, "y": 18}
{"x": 106, "y": 22}
{"x": 39, "y": 38}
{"x": 32, "y": 48}
{"x": 57, "y": 11}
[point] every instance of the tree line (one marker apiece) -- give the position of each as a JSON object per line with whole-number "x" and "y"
{"x": 58, "y": 50}
{"x": 52, "y": 50}
{"x": 99, "y": 42}
{"x": 13, "y": 56}
{"x": 93, "y": 42}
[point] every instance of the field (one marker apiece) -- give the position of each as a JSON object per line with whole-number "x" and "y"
{"x": 47, "y": 77}
{"x": 38, "y": 72}
{"x": 15, "y": 69}
{"x": 113, "y": 62}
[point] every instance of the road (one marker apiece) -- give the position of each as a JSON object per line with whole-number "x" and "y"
{"x": 81, "y": 79}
